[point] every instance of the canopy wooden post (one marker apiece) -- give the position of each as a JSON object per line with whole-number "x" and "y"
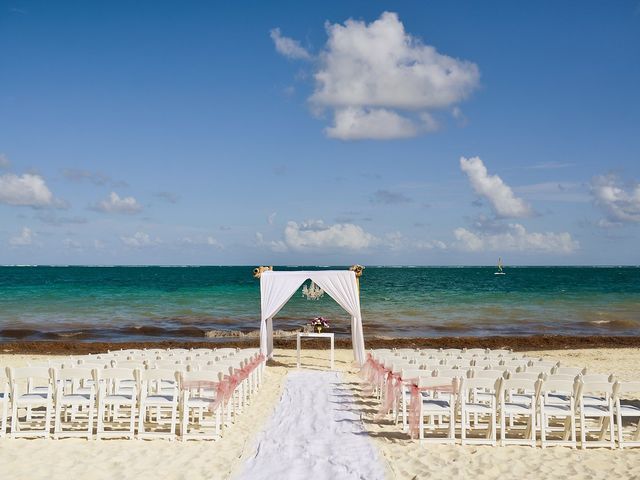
{"x": 257, "y": 272}
{"x": 357, "y": 269}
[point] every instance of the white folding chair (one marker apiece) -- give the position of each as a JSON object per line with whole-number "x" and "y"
{"x": 470, "y": 404}
{"x": 557, "y": 401}
{"x": 5, "y": 398}
{"x": 595, "y": 402}
{"x": 626, "y": 407}
{"x": 198, "y": 396}
{"x": 73, "y": 402}
{"x": 31, "y": 388}
{"x": 157, "y": 395}
{"x": 116, "y": 393}
{"x": 518, "y": 405}
{"x": 441, "y": 406}
{"x": 408, "y": 376}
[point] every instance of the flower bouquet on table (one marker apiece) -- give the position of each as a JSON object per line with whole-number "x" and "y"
{"x": 318, "y": 323}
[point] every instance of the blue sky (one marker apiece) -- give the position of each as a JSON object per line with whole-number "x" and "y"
{"x": 326, "y": 133}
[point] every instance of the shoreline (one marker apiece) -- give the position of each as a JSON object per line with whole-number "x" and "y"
{"x": 516, "y": 343}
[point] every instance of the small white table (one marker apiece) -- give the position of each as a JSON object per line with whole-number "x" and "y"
{"x": 314, "y": 335}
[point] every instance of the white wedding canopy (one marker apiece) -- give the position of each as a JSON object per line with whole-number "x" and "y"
{"x": 276, "y": 288}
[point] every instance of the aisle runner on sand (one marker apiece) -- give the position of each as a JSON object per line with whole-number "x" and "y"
{"x": 315, "y": 433}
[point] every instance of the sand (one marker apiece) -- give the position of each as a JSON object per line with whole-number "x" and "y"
{"x": 402, "y": 458}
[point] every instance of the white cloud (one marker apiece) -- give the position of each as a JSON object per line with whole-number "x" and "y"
{"x": 381, "y": 82}
{"x": 288, "y": 47}
{"x": 139, "y": 240}
{"x": 24, "y": 238}
{"x": 27, "y": 190}
{"x": 502, "y": 199}
{"x": 274, "y": 245}
{"x": 98, "y": 244}
{"x": 355, "y": 123}
{"x": 316, "y": 235}
{"x": 516, "y": 238}
{"x": 620, "y": 205}
{"x": 4, "y": 161}
{"x": 430, "y": 245}
{"x": 117, "y": 204}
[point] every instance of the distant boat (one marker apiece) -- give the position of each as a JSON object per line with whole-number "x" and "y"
{"x": 499, "y": 272}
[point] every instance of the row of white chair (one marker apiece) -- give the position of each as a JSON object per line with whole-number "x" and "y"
{"x": 488, "y": 383}
{"x": 127, "y": 400}
{"x": 549, "y": 407}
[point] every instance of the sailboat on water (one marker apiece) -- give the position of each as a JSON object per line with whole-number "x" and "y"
{"x": 499, "y": 272}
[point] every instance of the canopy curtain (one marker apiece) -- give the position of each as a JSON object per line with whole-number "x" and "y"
{"x": 277, "y": 288}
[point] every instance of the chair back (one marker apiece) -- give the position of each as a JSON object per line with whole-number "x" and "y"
{"x": 24, "y": 379}
{"x": 569, "y": 371}
{"x": 490, "y": 374}
{"x": 510, "y": 385}
{"x": 532, "y": 376}
{"x": 594, "y": 388}
{"x": 566, "y": 386}
{"x": 598, "y": 378}
{"x": 435, "y": 382}
{"x": 486, "y": 384}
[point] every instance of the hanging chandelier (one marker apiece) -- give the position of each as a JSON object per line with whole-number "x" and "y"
{"x": 312, "y": 292}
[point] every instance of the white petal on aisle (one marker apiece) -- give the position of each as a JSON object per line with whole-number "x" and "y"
{"x": 315, "y": 432}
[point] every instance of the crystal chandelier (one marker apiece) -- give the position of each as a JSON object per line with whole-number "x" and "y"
{"x": 312, "y": 292}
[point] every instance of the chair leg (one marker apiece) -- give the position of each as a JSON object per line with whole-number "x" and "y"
{"x": 583, "y": 431}
{"x": 404, "y": 410}
{"x": 174, "y": 415}
{"x": 47, "y": 420}
{"x": 141, "y": 415}
{"x": 493, "y": 427}
{"x": 14, "y": 417}
{"x": 612, "y": 440}
{"x": 452, "y": 423}
{"x": 543, "y": 428}
{"x": 90, "y": 422}
{"x": 100, "y": 424}
{"x": 533, "y": 427}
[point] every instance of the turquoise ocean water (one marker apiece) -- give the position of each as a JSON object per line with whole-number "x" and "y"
{"x": 154, "y": 303}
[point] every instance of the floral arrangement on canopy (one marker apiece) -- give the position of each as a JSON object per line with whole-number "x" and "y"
{"x": 318, "y": 323}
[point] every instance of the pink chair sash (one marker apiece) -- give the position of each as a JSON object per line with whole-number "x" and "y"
{"x": 394, "y": 390}
{"x": 225, "y": 388}
{"x": 373, "y": 373}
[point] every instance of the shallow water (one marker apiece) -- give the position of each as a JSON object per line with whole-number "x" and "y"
{"x": 143, "y": 303}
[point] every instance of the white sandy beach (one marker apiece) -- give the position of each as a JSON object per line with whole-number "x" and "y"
{"x": 399, "y": 457}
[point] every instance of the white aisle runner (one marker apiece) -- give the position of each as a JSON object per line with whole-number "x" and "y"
{"x": 315, "y": 433}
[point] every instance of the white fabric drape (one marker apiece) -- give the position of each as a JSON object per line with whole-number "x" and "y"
{"x": 276, "y": 288}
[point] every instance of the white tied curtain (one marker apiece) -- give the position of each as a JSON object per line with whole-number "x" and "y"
{"x": 276, "y": 288}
